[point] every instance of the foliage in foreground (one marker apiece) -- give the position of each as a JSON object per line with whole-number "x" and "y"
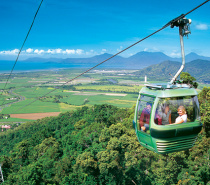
{"x": 188, "y": 79}
{"x": 96, "y": 146}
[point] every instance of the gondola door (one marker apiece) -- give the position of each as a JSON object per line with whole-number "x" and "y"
{"x": 145, "y": 105}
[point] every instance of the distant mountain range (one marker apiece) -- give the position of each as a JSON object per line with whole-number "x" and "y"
{"x": 156, "y": 65}
{"x": 138, "y": 61}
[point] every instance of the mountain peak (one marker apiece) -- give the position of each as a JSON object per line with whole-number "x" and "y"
{"x": 149, "y": 58}
{"x": 192, "y": 54}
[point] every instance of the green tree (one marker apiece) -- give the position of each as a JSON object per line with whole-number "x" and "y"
{"x": 204, "y": 100}
{"x": 48, "y": 148}
{"x": 86, "y": 163}
{"x": 21, "y": 153}
{"x": 188, "y": 79}
{"x": 197, "y": 169}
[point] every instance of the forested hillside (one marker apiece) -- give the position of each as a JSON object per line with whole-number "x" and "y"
{"x": 98, "y": 145}
{"x": 200, "y": 69}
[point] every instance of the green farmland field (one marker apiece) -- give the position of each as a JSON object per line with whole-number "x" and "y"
{"x": 14, "y": 120}
{"x": 43, "y": 92}
{"x": 79, "y": 100}
{"x": 35, "y": 107}
{"x": 71, "y": 99}
{"x": 110, "y": 88}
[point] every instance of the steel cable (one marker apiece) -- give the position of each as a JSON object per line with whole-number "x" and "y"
{"x": 21, "y": 49}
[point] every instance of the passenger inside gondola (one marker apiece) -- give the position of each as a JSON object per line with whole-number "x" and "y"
{"x": 182, "y": 118}
{"x": 165, "y": 114}
{"x": 145, "y": 117}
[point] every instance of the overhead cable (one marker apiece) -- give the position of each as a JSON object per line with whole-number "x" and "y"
{"x": 21, "y": 48}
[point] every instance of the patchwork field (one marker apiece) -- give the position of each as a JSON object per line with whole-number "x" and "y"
{"x": 111, "y": 88}
{"x": 34, "y": 95}
{"x": 34, "y": 116}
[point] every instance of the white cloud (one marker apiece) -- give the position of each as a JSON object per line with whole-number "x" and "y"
{"x": 51, "y": 51}
{"x": 202, "y": 27}
{"x": 79, "y": 51}
{"x": 69, "y": 51}
{"x": 57, "y": 52}
{"x": 91, "y": 52}
{"x": 103, "y": 51}
{"x": 39, "y": 51}
{"x": 120, "y": 49}
{"x": 10, "y": 52}
{"x": 175, "y": 54}
{"x": 36, "y": 51}
{"x": 29, "y": 50}
{"x": 153, "y": 49}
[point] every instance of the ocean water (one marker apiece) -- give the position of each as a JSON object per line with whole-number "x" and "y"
{"x": 6, "y": 66}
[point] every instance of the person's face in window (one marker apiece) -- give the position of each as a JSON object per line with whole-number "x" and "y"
{"x": 148, "y": 107}
{"x": 180, "y": 112}
{"x": 166, "y": 109}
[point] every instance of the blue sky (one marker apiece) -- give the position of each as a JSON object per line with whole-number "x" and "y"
{"x": 84, "y": 28}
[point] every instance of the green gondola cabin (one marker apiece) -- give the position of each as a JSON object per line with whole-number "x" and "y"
{"x": 167, "y": 117}
{"x": 166, "y": 138}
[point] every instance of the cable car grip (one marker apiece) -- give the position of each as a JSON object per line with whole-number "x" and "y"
{"x": 184, "y": 29}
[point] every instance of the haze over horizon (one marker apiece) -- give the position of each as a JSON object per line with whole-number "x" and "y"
{"x": 82, "y": 29}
